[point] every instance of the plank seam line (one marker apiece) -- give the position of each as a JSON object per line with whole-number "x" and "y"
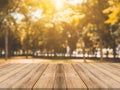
{"x": 57, "y": 66}
{"x": 26, "y": 73}
{"x": 94, "y": 73}
{"x": 79, "y": 76}
{"x": 100, "y": 70}
{"x": 13, "y": 74}
{"x": 39, "y": 77}
{"x": 5, "y": 64}
{"x": 103, "y": 74}
{"x": 55, "y": 77}
{"x": 21, "y": 77}
{"x": 65, "y": 79}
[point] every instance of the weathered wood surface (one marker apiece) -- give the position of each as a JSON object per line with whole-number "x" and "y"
{"x": 80, "y": 76}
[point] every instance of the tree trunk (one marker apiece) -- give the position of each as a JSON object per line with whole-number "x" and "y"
{"x": 101, "y": 43}
{"x": 114, "y": 50}
{"x": 107, "y": 54}
{"x": 84, "y": 58}
{"x": 27, "y": 45}
{"x": 6, "y": 43}
{"x": 27, "y": 54}
{"x": 101, "y": 50}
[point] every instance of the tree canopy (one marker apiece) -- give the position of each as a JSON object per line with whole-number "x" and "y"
{"x": 52, "y": 26}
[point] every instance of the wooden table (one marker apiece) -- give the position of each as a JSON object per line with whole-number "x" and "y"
{"x": 37, "y": 76}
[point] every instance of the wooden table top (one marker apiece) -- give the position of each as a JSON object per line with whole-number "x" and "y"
{"x": 81, "y": 76}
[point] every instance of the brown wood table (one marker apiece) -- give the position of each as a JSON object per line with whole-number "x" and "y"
{"x": 81, "y": 76}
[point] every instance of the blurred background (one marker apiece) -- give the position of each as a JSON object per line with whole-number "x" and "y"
{"x": 60, "y": 29}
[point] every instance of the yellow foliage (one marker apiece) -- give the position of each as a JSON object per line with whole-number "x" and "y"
{"x": 113, "y": 11}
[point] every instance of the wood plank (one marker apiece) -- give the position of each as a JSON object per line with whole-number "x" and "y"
{"x": 9, "y": 69}
{"x": 4, "y": 65}
{"x": 6, "y": 76}
{"x": 110, "y": 68}
{"x": 89, "y": 78}
{"x": 46, "y": 81}
{"x": 104, "y": 76}
{"x": 60, "y": 77}
{"x": 60, "y": 83}
{"x": 115, "y": 65}
{"x": 16, "y": 77}
{"x": 73, "y": 80}
{"x": 28, "y": 81}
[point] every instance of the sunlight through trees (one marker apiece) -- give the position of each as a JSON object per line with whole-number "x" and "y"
{"x": 50, "y": 27}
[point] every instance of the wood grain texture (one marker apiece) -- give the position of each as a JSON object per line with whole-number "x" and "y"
{"x": 37, "y": 76}
{"x": 11, "y": 73}
{"x": 9, "y": 68}
{"x": 88, "y": 77}
{"x": 110, "y": 69}
{"x": 4, "y": 65}
{"x": 73, "y": 80}
{"x": 110, "y": 79}
{"x": 16, "y": 77}
{"x": 60, "y": 82}
{"x": 28, "y": 81}
{"x": 46, "y": 81}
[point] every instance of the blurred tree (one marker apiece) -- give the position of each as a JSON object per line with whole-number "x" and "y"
{"x": 93, "y": 10}
{"x": 6, "y": 20}
{"x": 113, "y": 12}
{"x": 55, "y": 27}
